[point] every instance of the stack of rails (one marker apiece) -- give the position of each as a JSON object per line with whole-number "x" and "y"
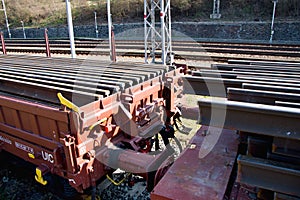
{"x": 261, "y": 101}
{"x": 65, "y": 115}
{"x": 48, "y": 76}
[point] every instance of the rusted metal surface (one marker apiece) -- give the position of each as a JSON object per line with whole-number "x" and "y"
{"x": 280, "y": 196}
{"x": 268, "y": 174}
{"x": 243, "y": 192}
{"x": 48, "y": 53}
{"x": 194, "y": 177}
{"x": 63, "y": 114}
{"x": 3, "y": 43}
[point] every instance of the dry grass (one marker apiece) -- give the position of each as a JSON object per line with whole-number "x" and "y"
{"x": 41, "y": 13}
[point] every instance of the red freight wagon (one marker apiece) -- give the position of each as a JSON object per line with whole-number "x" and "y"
{"x": 82, "y": 119}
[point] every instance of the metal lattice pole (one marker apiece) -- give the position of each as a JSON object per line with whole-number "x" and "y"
{"x": 6, "y": 19}
{"x": 158, "y": 38}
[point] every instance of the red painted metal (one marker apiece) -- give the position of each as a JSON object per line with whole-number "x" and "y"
{"x": 113, "y": 47}
{"x": 3, "y": 43}
{"x": 76, "y": 143}
{"x": 194, "y": 178}
{"x": 48, "y": 54}
{"x": 242, "y": 192}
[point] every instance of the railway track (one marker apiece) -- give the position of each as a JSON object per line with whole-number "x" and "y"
{"x": 262, "y": 100}
{"x": 186, "y": 50}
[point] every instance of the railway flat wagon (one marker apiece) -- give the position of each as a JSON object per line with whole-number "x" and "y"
{"x": 81, "y": 119}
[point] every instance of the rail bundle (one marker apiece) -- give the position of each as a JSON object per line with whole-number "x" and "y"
{"x": 248, "y": 146}
{"x": 81, "y": 119}
{"x": 263, "y": 106}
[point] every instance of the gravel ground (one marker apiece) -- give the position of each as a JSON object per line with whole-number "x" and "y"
{"x": 16, "y": 184}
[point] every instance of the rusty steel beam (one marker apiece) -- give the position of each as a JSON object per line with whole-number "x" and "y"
{"x": 261, "y": 96}
{"x": 208, "y": 86}
{"x": 279, "y": 196}
{"x": 269, "y": 79}
{"x": 212, "y": 86}
{"x": 286, "y": 147}
{"x": 273, "y": 88}
{"x": 287, "y": 104}
{"x": 270, "y": 175}
{"x": 272, "y": 68}
{"x": 265, "y": 63}
{"x": 267, "y": 71}
{"x": 234, "y": 74}
{"x": 249, "y": 117}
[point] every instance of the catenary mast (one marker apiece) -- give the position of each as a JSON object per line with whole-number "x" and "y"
{"x": 157, "y": 33}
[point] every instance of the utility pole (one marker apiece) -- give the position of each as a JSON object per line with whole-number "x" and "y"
{"x": 70, "y": 27}
{"x": 155, "y": 38}
{"x": 24, "y": 34}
{"x": 96, "y": 25}
{"x": 6, "y": 19}
{"x": 216, "y": 10}
{"x": 273, "y": 19}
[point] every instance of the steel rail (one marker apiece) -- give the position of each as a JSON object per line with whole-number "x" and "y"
{"x": 276, "y": 51}
{"x": 261, "y": 96}
{"x": 265, "y": 63}
{"x": 234, "y": 74}
{"x": 263, "y": 119}
{"x": 250, "y": 67}
{"x": 210, "y": 86}
{"x": 272, "y": 175}
{"x": 99, "y": 47}
{"x": 40, "y": 79}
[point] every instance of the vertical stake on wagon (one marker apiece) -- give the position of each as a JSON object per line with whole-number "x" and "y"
{"x": 111, "y": 38}
{"x": 113, "y": 47}
{"x": 47, "y": 43}
{"x": 3, "y": 43}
